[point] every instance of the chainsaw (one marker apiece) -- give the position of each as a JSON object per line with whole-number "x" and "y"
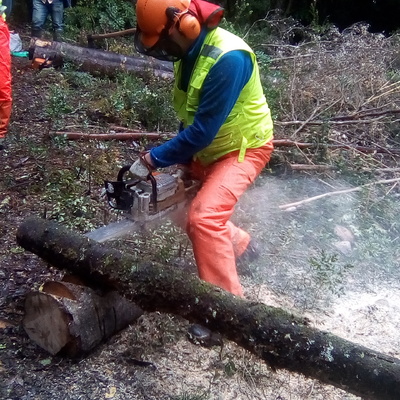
{"x": 142, "y": 202}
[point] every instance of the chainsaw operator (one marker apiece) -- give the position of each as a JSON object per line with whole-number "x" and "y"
{"x": 225, "y": 136}
{"x": 5, "y": 76}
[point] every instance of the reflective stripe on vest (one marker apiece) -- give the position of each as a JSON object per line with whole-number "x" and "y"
{"x": 249, "y": 124}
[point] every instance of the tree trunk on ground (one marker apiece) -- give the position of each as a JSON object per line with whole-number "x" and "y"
{"x": 72, "y": 319}
{"x": 97, "y": 62}
{"x": 278, "y": 337}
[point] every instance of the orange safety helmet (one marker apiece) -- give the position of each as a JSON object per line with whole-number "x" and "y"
{"x": 156, "y": 18}
{"x": 153, "y": 16}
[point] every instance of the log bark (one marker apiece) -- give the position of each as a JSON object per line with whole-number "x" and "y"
{"x": 280, "y": 338}
{"x": 70, "y": 319}
{"x": 98, "y": 62}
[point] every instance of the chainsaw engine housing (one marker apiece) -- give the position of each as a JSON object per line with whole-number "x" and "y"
{"x": 140, "y": 199}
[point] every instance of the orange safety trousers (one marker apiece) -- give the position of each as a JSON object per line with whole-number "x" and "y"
{"x": 216, "y": 240}
{"x": 5, "y": 78}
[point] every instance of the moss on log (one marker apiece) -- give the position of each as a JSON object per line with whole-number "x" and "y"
{"x": 280, "y": 338}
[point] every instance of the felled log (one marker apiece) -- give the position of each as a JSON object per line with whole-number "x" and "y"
{"x": 280, "y": 338}
{"x": 70, "y": 319}
{"x": 97, "y": 62}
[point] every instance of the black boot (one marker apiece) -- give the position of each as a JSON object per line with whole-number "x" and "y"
{"x": 251, "y": 254}
{"x": 57, "y": 36}
{"x": 199, "y": 334}
{"x": 37, "y": 33}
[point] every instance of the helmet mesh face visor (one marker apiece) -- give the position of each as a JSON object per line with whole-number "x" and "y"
{"x": 164, "y": 49}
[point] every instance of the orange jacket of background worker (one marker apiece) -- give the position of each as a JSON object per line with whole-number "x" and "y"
{"x": 5, "y": 79}
{"x": 226, "y": 129}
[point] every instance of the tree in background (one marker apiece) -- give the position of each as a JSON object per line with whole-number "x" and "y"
{"x": 382, "y": 15}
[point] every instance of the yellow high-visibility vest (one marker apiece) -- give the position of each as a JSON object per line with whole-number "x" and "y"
{"x": 249, "y": 124}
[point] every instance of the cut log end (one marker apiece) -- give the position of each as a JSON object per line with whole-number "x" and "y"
{"x": 46, "y": 322}
{"x": 72, "y": 319}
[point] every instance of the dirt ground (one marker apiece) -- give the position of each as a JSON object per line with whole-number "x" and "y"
{"x": 367, "y": 313}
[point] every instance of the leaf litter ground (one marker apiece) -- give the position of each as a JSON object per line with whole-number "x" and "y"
{"x": 335, "y": 260}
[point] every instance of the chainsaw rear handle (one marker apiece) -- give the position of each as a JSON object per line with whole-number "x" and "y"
{"x": 119, "y": 195}
{"x": 122, "y": 171}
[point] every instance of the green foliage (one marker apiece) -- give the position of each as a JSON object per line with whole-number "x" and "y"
{"x": 65, "y": 201}
{"x": 129, "y": 99}
{"x": 314, "y": 14}
{"x": 238, "y": 11}
{"x": 99, "y": 16}
{"x": 78, "y": 79}
{"x": 230, "y": 368}
{"x": 58, "y": 102}
{"x": 149, "y": 103}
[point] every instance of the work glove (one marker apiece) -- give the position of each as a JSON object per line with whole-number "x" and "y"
{"x": 140, "y": 169}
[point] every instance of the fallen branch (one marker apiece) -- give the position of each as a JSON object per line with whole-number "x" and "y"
{"x": 133, "y": 135}
{"x": 362, "y": 149}
{"x": 112, "y": 136}
{"x": 309, "y": 167}
{"x": 278, "y": 337}
{"x": 357, "y": 118}
{"x": 366, "y": 113}
{"x": 329, "y": 122}
{"x": 92, "y": 37}
{"x": 344, "y": 191}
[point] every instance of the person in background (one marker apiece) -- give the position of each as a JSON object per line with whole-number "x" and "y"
{"x": 5, "y": 76}
{"x": 226, "y": 131}
{"x": 8, "y": 4}
{"x": 41, "y": 10}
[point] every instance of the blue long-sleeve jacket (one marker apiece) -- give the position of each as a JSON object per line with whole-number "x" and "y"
{"x": 220, "y": 92}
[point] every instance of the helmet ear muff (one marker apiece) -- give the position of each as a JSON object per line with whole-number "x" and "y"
{"x": 189, "y": 25}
